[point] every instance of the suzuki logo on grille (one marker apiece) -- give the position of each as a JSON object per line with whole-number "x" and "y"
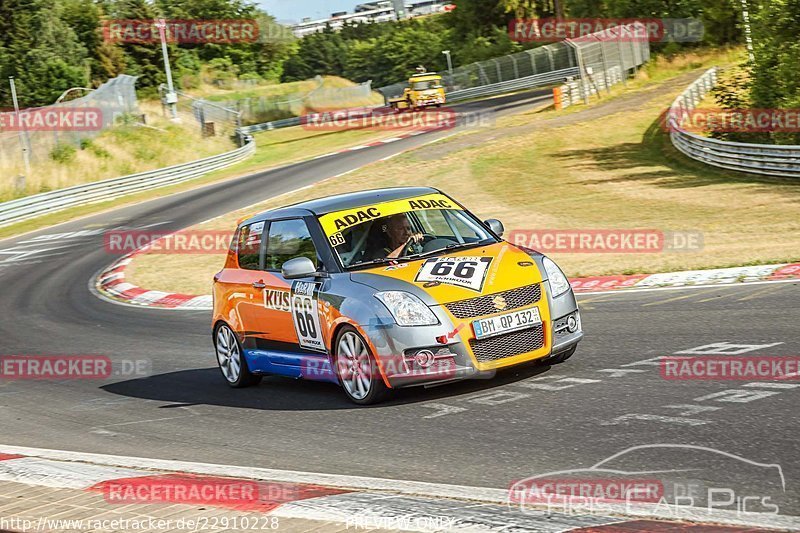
{"x": 499, "y": 303}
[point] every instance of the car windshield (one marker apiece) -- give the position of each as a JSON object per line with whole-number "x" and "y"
{"x": 402, "y": 230}
{"x": 425, "y": 85}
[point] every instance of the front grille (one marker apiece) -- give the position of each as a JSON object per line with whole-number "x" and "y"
{"x": 508, "y": 345}
{"x": 485, "y": 305}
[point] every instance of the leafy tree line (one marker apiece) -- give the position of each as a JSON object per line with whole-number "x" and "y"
{"x": 770, "y": 81}
{"x": 52, "y": 45}
{"x": 478, "y": 30}
{"x": 775, "y": 82}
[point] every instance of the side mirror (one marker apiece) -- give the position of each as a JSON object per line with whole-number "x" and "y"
{"x": 495, "y": 225}
{"x": 299, "y": 267}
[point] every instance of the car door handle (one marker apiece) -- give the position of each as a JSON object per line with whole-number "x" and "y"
{"x": 259, "y": 285}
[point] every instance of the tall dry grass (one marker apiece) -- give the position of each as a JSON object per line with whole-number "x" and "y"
{"x": 125, "y": 149}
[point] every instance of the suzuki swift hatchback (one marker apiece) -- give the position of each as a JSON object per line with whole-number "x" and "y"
{"x": 382, "y": 289}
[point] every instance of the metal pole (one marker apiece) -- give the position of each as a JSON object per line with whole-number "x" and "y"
{"x": 606, "y": 73}
{"x": 449, "y": 63}
{"x": 581, "y": 70}
{"x": 172, "y": 97}
{"x": 622, "y": 70}
{"x": 22, "y": 130}
{"x": 497, "y": 67}
{"x": 747, "y": 35}
{"x": 450, "y": 69}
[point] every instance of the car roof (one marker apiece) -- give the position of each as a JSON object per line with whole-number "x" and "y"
{"x": 340, "y": 202}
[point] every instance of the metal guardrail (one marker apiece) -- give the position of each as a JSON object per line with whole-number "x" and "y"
{"x": 273, "y": 125}
{"x": 766, "y": 159}
{"x": 32, "y": 206}
{"x": 296, "y": 121}
{"x": 529, "y": 82}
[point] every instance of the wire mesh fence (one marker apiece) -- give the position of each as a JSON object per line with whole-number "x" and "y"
{"x": 111, "y": 100}
{"x": 549, "y": 58}
{"x": 255, "y": 110}
{"x": 609, "y": 54}
{"x": 604, "y": 58}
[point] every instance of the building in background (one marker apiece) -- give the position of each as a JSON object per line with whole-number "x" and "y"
{"x": 370, "y": 12}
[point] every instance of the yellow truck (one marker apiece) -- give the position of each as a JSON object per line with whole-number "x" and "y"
{"x": 424, "y": 90}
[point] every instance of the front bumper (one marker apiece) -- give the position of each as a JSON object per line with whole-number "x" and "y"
{"x": 429, "y": 101}
{"x": 403, "y": 352}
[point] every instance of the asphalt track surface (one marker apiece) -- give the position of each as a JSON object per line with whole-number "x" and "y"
{"x": 526, "y": 421}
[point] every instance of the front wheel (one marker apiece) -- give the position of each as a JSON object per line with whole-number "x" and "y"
{"x": 357, "y": 370}
{"x": 231, "y": 361}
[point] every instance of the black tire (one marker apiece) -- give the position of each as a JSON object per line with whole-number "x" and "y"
{"x": 228, "y": 348}
{"x": 563, "y": 356}
{"x": 376, "y": 391}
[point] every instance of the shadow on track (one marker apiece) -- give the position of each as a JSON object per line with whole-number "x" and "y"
{"x": 205, "y": 386}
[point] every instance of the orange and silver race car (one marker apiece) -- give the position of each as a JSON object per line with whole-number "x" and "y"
{"x": 382, "y": 289}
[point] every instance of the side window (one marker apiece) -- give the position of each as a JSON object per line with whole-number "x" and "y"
{"x": 248, "y": 244}
{"x": 289, "y": 239}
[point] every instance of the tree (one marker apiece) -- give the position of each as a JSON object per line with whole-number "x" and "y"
{"x": 775, "y": 85}
{"x": 41, "y": 51}
{"x": 318, "y": 53}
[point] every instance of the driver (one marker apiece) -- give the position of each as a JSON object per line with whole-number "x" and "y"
{"x": 399, "y": 235}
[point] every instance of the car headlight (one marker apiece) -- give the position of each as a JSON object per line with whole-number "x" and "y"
{"x": 559, "y": 284}
{"x": 407, "y": 309}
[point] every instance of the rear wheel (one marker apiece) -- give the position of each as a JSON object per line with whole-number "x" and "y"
{"x": 230, "y": 359}
{"x": 358, "y": 372}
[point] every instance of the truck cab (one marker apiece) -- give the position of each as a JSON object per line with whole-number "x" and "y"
{"x": 424, "y": 90}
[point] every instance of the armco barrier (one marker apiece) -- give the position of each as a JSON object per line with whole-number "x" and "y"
{"x": 32, "y": 206}
{"x": 529, "y": 82}
{"x": 294, "y": 121}
{"x": 767, "y": 159}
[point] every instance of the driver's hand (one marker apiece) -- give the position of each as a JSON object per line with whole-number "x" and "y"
{"x": 415, "y": 238}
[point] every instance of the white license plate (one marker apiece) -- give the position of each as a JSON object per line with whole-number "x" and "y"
{"x": 497, "y": 325}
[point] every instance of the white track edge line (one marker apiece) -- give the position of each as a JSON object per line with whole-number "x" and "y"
{"x": 685, "y": 287}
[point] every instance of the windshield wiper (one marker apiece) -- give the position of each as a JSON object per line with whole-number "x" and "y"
{"x": 453, "y": 246}
{"x": 377, "y": 261}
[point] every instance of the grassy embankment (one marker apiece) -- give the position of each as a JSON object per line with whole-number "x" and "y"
{"x": 129, "y": 149}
